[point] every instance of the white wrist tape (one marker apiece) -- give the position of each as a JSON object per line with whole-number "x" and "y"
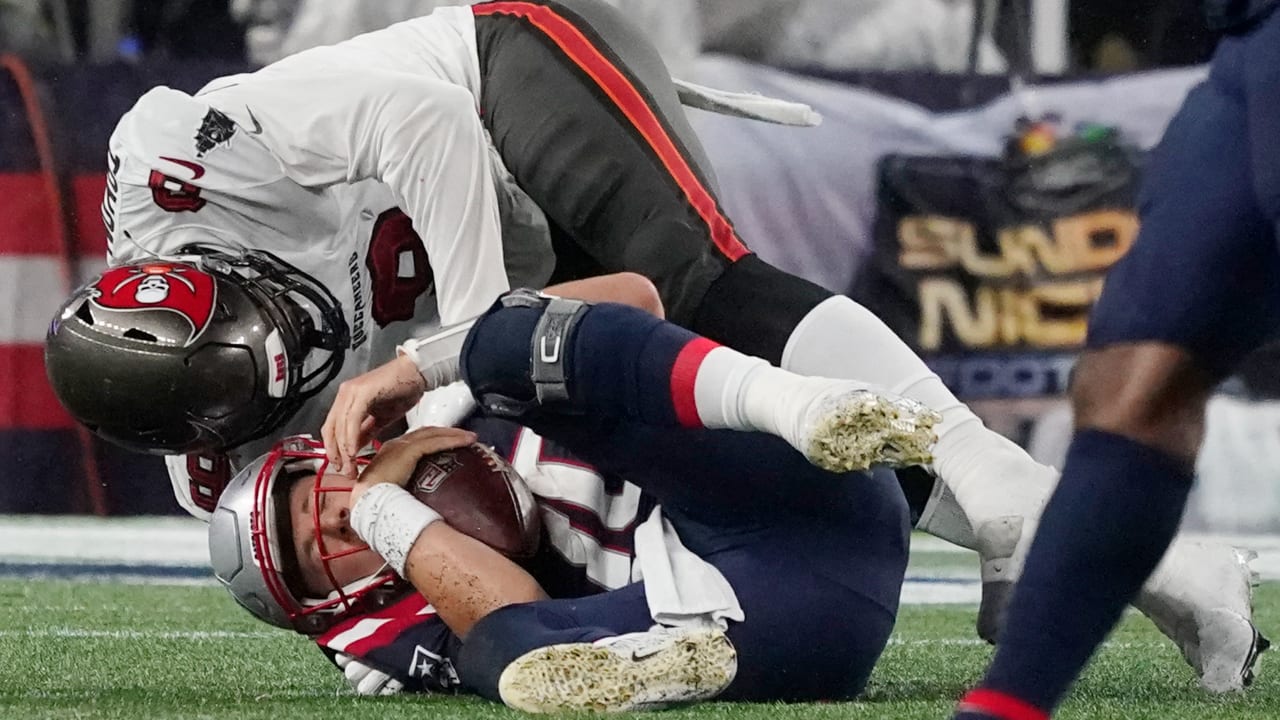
{"x": 390, "y": 519}
{"x": 437, "y": 356}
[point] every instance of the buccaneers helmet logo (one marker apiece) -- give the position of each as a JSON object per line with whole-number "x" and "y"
{"x": 181, "y": 289}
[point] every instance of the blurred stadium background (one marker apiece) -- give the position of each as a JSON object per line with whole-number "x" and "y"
{"x": 973, "y": 179}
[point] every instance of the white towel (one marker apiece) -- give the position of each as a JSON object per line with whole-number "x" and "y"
{"x": 683, "y": 590}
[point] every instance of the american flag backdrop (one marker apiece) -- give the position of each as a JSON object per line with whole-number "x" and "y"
{"x": 53, "y": 137}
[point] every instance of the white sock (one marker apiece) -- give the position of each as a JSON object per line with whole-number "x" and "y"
{"x": 989, "y": 475}
{"x": 740, "y": 392}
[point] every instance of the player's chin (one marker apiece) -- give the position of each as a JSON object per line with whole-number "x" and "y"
{"x": 358, "y": 565}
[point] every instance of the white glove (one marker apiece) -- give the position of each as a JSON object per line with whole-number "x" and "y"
{"x": 443, "y": 407}
{"x": 364, "y": 679}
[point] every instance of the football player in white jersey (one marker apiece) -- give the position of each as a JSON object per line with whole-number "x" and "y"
{"x": 478, "y": 123}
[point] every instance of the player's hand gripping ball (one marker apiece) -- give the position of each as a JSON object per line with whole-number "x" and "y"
{"x": 479, "y": 494}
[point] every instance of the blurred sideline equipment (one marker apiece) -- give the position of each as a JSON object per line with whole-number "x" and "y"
{"x": 832, "y": 35}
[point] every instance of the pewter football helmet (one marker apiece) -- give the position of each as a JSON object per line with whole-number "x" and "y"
{"x": 198, "y": 353}
{"x": 251, "y": 549}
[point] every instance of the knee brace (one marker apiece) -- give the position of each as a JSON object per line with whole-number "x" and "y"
{"x": 510, "y": 377}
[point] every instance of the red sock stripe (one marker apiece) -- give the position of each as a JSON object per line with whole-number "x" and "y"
{"x": 684, "y": 376}
{"x": 633, "y": 105}
{"x": 1000, "y": 705}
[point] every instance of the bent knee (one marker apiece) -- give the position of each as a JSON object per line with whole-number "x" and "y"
{"x": 641, "y": 293}
{"x": 1149, "y": 392}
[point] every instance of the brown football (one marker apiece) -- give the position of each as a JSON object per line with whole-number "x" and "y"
{"x": 478, "y": 493}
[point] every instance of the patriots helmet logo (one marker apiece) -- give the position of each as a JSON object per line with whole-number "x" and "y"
{"x": 177, "y": 288}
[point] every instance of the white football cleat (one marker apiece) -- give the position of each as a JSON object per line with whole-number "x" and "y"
{"x": 637, "y": 671}
{"x": 846, "y": 426}
{"x": 1201, "y": 597}
{"x": 1002, "y": 546}
{"x": 1228, "y": 651}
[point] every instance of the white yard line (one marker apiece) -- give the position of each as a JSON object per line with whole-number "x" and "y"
{"x": 134, "y": 541}
{"x": 173, "y": 551}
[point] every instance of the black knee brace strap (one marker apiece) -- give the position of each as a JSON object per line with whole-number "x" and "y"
{"x": 550, "y": 343}
{"x": 547, "y": 349}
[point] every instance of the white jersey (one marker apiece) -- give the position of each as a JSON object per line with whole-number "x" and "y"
{"x": 313, "y": 159}
{"x": 616, "y": 537}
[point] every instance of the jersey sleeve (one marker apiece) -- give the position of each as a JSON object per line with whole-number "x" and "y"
{"x": 198, "y": 481}
{"x": 419, "y": 135}
{"x": 406, "y": 640}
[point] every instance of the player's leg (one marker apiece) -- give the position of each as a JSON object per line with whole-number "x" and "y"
{"x": 583, "y": 112}
{"x": 617, "y": 169}
{"x": 510, "y": 632}
{"x": 611, "y": 360}
{"x": 601, "y": 652}
{"x": 1197, "y": 290}
{"x": 719, "y": 478}
{"x": 620, "y": 172}
{"x": 817, "y": 566}
{"x": 815, "y": 617}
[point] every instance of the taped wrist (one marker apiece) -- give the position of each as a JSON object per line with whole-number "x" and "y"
{"x": 436, "y": 356}
{"x": 390, "y": 519}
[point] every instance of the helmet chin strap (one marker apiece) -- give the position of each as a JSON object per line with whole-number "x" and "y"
{"x": 353, "y": 589}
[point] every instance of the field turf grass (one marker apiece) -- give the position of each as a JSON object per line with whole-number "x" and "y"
{"x": 97, "y": 650}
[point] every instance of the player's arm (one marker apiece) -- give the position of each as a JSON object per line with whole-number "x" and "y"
{"x": 420, "y": 136}
{"x": 464, "y": 578}
{"x": 626, "y": 288}
{"x": 367, "y": 403}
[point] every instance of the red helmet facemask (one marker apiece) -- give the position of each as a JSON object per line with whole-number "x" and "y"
{"x": 312, "y": 616}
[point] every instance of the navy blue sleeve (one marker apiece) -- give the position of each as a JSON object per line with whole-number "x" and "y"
{"x": 406, "y": 640}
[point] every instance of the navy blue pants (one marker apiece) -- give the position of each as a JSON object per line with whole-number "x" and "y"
{"x": 1204, "y": 273}
{"x": 816, "y": 559}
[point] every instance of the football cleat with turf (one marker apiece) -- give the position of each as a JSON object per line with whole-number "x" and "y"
{"x": 848, "y": 427}
{"x": 637, "y": 671}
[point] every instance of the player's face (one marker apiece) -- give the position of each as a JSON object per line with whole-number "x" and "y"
{"x": 349, "y": 558}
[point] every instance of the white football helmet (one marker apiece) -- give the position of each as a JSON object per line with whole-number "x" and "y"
{"x": 251, "y": 544}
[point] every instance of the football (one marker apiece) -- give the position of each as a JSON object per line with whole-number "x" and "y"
{"x": 478, "y": 493}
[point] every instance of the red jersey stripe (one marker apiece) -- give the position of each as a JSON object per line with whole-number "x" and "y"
{"x": 628, "y": 99}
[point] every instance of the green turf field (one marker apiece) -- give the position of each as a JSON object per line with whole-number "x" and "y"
{"x": 88, "y": 650}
